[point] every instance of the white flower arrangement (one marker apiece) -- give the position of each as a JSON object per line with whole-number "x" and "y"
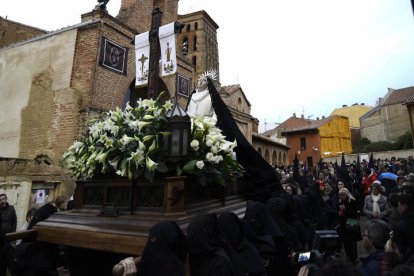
{"x": 212, "y": 155}
{"x": 128, "y": 143}
{"x": 122, "y": 141}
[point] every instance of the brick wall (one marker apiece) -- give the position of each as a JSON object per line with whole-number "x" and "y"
{"x": 12, "y": 32}
{"x": 138, "y": 13}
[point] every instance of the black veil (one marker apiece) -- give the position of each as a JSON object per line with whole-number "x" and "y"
{"x": 259, "y": 174}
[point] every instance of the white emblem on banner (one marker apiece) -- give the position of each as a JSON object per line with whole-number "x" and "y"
{"x": 168, "y": 49}
{"x": 142, "y": 59}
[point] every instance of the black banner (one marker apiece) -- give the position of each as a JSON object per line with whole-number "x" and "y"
{"x": 113, "y": 56}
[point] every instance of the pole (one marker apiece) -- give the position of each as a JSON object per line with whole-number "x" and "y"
{"x": 155, "y": 53}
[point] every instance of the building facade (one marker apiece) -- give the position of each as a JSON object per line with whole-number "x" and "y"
{"x": 55, "y": 82}
{"x": 353, "y": 112}
{"x": 311, "y": 140}
{"x": 389, "y": 119}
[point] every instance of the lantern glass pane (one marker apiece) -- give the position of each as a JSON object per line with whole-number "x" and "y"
{"x": 175, "y": 142}
{"x": 185, "y": 141}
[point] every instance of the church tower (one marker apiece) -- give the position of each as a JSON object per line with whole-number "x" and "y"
{"x": 137, "y": 13}
{"x": 198, "y": 40}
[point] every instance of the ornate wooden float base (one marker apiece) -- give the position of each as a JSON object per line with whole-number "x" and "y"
{"x": 126, "y": 233}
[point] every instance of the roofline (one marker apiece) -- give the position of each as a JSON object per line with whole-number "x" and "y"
{"x": 261, "y": 137}
{"x": 24, "y": 25}
{"x": 52, "y": 33}
{"x": 201, "y": 12}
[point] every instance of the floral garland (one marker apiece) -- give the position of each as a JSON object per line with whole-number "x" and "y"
{"x": 130, "y": 143}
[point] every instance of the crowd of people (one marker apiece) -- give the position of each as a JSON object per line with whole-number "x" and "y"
{"x": 276, "y": 231}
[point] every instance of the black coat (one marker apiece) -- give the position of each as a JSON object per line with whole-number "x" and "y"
{"x": 9, "y": 219}
{"x": 403, "y": 232}
{"x": 42, "y": 213}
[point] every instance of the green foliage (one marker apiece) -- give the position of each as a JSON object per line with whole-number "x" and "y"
{"x": 405, "y": 141}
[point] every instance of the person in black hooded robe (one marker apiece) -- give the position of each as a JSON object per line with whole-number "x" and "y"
{"x": 205, "y": 248}
{"x": 244, "y": 257}
{"x": 165, "y": 251}
{"x": 259, "y": 175}
{"x": 268, "y": 238}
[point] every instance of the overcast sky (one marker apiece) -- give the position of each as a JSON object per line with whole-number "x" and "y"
{"x": 289, "y": 56}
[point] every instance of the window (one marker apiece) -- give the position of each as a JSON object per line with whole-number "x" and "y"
{"x": 195, "y": 26}
{"x": 195, "y": 43}
{"x": 303, "y": 143}
{"x": 188, "y": 27}
{"x": 194, "y": 60}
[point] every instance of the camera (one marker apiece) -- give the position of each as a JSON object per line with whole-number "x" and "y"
{"x": 304, "y": 257}
{"x": 325, "y": 244}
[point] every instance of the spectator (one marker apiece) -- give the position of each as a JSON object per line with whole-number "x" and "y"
{"x": 348, "y": 230}
{"x": 376, "y": 205}
{"x": 291, "y": 189}
{"x": 8, "y": 215}
{"x": 375, "y": 236}
{"x": 404, "y": 229}
{"x": 369, "y": 177}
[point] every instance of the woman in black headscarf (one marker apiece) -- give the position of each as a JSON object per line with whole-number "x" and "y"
{"x": 205, "y": 248}
{"x": 164, "y": 254}
{"x": 244, "y": 257}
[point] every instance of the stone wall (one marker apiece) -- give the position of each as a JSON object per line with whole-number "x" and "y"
{"x": 381, "y": 155}
{"x": 35, "y": 80}
{"x": 20, "y": 179}
{"x": 386, "y": 123}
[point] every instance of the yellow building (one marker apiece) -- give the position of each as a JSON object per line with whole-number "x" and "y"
{"x": 353, "y": 112}
{"x": 335, "y": 136}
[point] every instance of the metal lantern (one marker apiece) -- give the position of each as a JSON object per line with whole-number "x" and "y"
{"x": 180, "y": 127}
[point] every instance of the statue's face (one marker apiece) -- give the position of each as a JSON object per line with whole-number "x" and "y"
{"x": 202, "y": 84}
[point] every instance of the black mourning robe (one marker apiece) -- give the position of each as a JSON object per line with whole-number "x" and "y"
{"x": 258, "y": 173}
{"x": 165, "y": 252}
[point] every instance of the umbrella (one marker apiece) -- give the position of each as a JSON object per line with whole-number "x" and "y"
{"x": 387, "y": 175}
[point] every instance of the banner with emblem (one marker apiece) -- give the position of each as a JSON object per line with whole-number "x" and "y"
{"x": 142, "y": 51}
{"x": 168, "y": 49}
{"x": 113, "y": 56}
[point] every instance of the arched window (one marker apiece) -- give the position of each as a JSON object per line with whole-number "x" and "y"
{"x": 185, "y": 46}
{"x": 259, "y": 150}
{"x": 188, "y": 27}
{"x": 274, "y": 158}
{"x": 239, "y": 103}
{"x": 267, "y": 156}
{"x": 195, "y": 43}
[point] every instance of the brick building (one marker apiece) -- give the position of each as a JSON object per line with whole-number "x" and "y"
{"x": 55, "y": 82}
{"x": 12, "y": 32}
{"x": 312, "y": 140}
